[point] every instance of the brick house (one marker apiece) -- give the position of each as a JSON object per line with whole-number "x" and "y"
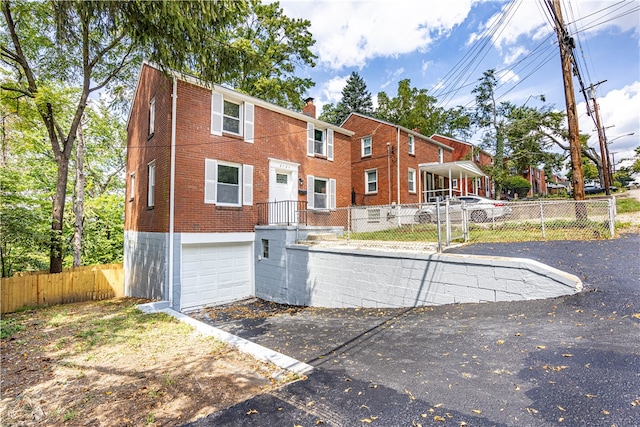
{"x": 538, "y": 180}
{"x": 386, "y": 159}
{"x": 201, "y": 162}
{"x": 465, "y": 151}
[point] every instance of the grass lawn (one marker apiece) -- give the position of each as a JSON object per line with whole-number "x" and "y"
{"x": 107, "y": 363}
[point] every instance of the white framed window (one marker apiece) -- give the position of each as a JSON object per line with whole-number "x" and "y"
{"x": 412, "y": 180}
{"x": 366, "y": 146}
{"x": 228, "y": 184}
{"x": 321, "y": 192}
{"x": 371, "y": 181}
{"x": 232, "y": 116}
{"x": 132, "y": 186}
{"x": 412, "y": 145}
{"x": 440, "y": 155}
{"x": 454, "y": 183}
{"x": 152, "y": 116}
{"x": 151, "y": 184}
{"x": 319, "y": 142}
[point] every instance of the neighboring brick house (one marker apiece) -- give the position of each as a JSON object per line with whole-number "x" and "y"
{"x": 537, "y": 179}
{"x": 386, "y": 159}
{"x": 462, "y": 150}
{"x": 201, "y": 159}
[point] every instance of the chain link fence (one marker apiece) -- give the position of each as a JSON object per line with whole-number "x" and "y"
{"x": 434, "y": 226}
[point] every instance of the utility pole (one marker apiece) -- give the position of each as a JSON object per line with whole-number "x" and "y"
{"x": 604, "y": 155}
{"x": 566, "y": 44}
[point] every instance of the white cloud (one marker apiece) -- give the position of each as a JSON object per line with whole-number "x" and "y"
{"x": 392, "y": 77}
{"x": 508, "y": 76}
{"x": 332, "y": 89}
{"x": 350, "y": 33}
{"x": 529, "y": 19}
{"x": 618, "y": 108}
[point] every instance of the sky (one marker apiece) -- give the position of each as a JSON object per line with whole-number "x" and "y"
{"x": 444, "y": 46}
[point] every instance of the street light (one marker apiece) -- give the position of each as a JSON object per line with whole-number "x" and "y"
{"x": 620, "y": 136}
{"x": 611, "y": 167}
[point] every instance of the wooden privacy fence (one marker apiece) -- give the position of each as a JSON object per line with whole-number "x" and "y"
{"x": 95, "y": 282}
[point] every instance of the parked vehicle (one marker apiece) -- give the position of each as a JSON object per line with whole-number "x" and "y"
{"x": 479, "y": 209}
{"x": 593, "y": 189}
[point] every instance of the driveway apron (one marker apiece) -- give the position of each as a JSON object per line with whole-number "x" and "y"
{"x": 566, "y": 361}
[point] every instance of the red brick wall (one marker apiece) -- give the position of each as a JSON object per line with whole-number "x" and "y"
{"x": 276, "y": 136}
{"x": 142, "y": 149}
{"x": 386, "y": 162}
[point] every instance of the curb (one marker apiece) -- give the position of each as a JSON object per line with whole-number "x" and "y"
{"x": 259, "y": 352}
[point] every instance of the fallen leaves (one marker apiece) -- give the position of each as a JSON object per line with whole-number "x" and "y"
{"x": 554, "y": 368}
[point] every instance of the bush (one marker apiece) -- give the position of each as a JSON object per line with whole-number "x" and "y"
{"x": 517, "y": 184}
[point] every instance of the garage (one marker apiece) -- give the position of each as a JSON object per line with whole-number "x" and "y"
{"x": 215, "y": 273}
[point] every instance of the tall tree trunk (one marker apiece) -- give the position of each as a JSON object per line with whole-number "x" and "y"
{"x": 79, "y": 200}
{"x": 57, "y": 221}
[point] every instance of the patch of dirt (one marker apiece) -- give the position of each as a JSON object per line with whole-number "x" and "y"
{"x": 105, "y": 363}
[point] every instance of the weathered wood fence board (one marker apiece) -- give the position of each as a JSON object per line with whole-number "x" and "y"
{"x": 95, "y": 282}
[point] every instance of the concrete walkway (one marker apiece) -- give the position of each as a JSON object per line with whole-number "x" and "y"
{"x": 565, "y": 361}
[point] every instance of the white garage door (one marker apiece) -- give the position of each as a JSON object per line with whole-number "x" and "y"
{"x": 215, "y": 273}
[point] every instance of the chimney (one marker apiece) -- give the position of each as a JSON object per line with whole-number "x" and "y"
{"x": 309, "y": 109}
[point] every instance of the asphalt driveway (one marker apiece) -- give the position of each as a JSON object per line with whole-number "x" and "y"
{"x": 566, "y": 361}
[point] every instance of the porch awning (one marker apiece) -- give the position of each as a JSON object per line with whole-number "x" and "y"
{"x": 463, "y": 168}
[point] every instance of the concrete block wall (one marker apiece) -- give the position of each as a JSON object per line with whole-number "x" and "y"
{"x": 339, "y": 277}
{"x": 271, "y": 277}
{"x": 145, "y": 264}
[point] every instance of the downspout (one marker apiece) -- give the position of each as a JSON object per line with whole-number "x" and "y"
{"x": 398, "y": 146}
{"x": 389, "y": 170}
{"x": 174, "y": 102}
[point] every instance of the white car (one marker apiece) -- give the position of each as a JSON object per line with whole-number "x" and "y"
{"x": 480, "y": 209}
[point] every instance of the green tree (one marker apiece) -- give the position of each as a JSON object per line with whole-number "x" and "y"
{"x": 635, "y": 167}
{"x": 489, "y": 117}
{"x": 268, "y": 47}
{"x": 355, "y": 99}
{"x": 97, "y": 45}
{"x": 414, "y": 108}
{"x": 25, "y": 191}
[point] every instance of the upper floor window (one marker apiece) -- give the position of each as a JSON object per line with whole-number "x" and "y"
{"x": 412, "y": 145}
{"x": 412, "y": 180}
{"x": 232, "y": 116}
{"x": 371, "y": 181}
{"x": 440, "y": 155}
{"x": 152, "y": 116}
{"x": 321, "y": 193}
{"x": 228, "y": 184}
{"x": 366, "y": 146}
{"x": 319, "y": 142}
{"x": 151, "y": 184}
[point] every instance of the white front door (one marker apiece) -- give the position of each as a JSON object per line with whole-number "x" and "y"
{"x": 283, "y": 195}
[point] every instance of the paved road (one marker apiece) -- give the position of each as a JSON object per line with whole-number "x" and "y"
{"x": 570, "y": 361}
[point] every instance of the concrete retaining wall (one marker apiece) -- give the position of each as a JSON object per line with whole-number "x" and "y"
{"x": 145, "y": 265}
{"x": 341, "y": 277}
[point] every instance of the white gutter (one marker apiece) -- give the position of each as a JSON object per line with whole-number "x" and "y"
{"x": 398, "y": 147}
{"x": 172, "y": 193}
